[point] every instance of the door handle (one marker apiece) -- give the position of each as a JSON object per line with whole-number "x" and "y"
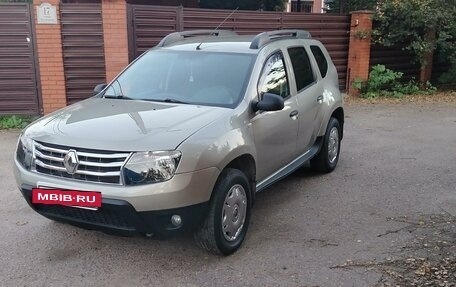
{"x": 294, "y": 114}
{"x": 320, "y": 99}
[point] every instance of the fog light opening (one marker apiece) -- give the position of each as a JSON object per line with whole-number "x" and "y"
{"x": 176, "y": 220}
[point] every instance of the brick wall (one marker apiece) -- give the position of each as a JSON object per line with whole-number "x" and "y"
{"x": 50, "y": 61}
{"x": 359, "y": 48}
{"x": 50, "y": 55}
{"x": 115, "y": 36}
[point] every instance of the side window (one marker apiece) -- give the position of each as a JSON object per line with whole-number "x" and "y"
{"x": 321, "y": 60}
{"x": 274, "y": 77}
{"x": 301, "y": 67}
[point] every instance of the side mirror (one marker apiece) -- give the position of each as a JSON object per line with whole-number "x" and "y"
{"x": 269, "y": 102}
{"x": 98, "y": 88}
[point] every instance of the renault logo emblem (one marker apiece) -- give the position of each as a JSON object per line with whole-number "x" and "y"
{"x": 71, "y": 161}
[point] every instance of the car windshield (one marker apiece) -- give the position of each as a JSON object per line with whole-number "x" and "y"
{"x": 189, "y": 77}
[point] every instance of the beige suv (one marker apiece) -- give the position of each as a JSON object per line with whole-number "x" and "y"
{"x": 186, "y": 135}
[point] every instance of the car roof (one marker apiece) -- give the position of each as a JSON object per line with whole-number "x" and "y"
{"x": 227, "y": 41}
{"x": 233, "y": 44}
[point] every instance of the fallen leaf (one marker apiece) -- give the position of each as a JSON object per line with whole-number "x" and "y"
{"x": 21, "y": 222}
{"x": 425, "y": 268}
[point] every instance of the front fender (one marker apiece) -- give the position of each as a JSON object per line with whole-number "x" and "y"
{"x": 216, "y": 145}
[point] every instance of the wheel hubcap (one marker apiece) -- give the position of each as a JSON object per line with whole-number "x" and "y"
{"x": 333, "y": 144}
{"x": 234, "y": 212}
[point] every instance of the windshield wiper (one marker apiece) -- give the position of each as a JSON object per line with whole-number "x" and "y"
{"x": 118, "y": 94}
{"x": 117, "y": 97}
{"x": 169, "y": 100}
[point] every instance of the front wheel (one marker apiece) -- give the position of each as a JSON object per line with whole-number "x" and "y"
{"x": 326, "y": 160}
{"x": 227, "y": 221}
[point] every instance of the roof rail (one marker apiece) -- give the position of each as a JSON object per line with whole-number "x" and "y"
{"x": 263, "y": 38}
{"x": 179, "y": 36}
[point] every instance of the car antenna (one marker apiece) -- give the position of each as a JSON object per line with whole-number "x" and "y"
{"x": 215, "y": 30}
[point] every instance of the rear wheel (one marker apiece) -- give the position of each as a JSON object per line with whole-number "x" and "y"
{"x": 326, "y": 160}
{"x": 227, "y": 221}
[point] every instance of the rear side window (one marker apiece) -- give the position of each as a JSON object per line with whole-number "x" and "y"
{"x": 274, "y": 77}
{"x": 321, "y": 60}
{"x": 301, "y": 67}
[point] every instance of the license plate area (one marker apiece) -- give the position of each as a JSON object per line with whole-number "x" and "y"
{"x": 74, "y": 198}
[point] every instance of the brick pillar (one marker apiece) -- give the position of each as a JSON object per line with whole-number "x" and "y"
{"x": 50, "y": 61}
{"x": 317, "y": 6}
{"x": 115, "y": 36}
{"x": 359, "y": 48}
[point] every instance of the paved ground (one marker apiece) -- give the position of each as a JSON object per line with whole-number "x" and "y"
{"x": 392, "y": 195}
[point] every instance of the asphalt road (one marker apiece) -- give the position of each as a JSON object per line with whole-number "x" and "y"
{"x": 397, "y": 161}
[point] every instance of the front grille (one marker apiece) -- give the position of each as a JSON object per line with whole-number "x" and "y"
{"x": 94, "y": 165}
{"x": 108, "y": 218}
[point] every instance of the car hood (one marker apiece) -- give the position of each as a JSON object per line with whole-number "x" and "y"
{"x": 123, "y": 125}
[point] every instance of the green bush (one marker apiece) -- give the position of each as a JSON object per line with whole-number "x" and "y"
{"x": 449, "y": 77}
{"x": 14, "y": 122}
{"x": 387, "y": 83}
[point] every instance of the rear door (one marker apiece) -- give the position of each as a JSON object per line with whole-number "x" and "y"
{"x": 305, "y": 84}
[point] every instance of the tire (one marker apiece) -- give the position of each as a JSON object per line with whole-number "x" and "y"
{"x": 328, "y": 156}
{"x": 214, "y": 236}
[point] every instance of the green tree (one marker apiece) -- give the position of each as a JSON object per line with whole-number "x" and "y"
{"x": 345, "y": 6}
{"x": 267, "y": 5}
{"x": 420, "y": 26}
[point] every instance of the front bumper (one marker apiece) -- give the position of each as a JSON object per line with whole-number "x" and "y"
{"x": 184, "y": 189}
{"x": 120, "y": 217}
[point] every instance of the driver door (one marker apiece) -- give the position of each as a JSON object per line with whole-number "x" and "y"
{"x": 275, "y": 133}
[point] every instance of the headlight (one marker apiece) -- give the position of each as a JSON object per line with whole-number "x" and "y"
{"x": 150, "y": 167}
{"x": 24, "y": 151}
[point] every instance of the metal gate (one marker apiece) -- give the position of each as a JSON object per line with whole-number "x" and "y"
{"x": 18, "y": 85}
{"x": 148, "y": 24}
{"x": 400, "y": 60}
{"x": 83, "y": 49}
{"x": 394, "y": 58}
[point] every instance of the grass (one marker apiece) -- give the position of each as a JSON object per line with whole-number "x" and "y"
{"x": 446, "y": 97}
{"x": 14, "y": 122}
